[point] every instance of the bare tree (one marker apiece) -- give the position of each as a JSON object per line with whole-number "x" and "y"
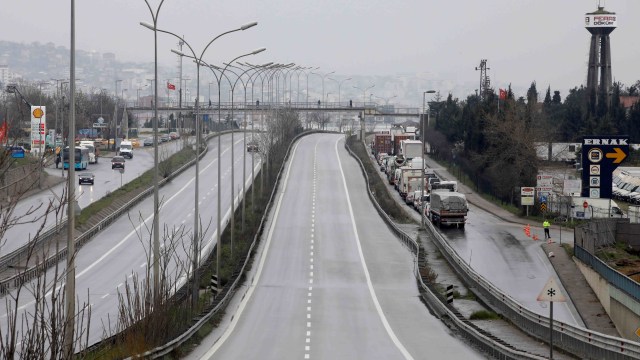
{"x": 37, "y": 330}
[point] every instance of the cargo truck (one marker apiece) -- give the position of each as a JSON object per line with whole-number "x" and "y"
{"x": 448, "y": 208}
{"x": 397, "y": 140}
{"x": 411, "y": 149}
{"x": 407, "y": 173}
{"x": 382, "y": 144}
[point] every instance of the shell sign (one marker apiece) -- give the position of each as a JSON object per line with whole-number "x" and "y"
{"x": 38, "y": 128}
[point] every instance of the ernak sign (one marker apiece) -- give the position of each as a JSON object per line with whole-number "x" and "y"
{"x": 600, "y": 156}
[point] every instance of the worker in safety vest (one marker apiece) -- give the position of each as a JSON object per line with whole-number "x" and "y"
{"x": 546, "y": 225}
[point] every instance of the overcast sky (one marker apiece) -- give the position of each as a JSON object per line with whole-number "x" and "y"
{"x": 523, "y": 40}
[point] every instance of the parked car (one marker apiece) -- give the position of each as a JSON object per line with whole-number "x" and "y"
{"x": 148, "y": 142}
{"x": 86, "y": 178}
{"x": 165, "y": 137}
{"x": 174, "y": 135}
{"x": 117, "y": 162}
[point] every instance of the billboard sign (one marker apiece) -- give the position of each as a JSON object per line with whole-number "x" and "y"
{"x": 572, "y": 187}
{"x": 601, "y": 155}
{"x": 38, "y": 128}
{"x": 526, "y": 195}
{"x": 527, "y": 191}
{"x": 544, "y": 180}
{"x": 600, "y": 20}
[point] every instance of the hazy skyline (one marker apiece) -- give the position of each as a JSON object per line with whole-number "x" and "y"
{"x": 524, "y": 41}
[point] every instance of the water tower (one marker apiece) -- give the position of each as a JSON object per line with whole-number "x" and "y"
{"x": 600, "y": 24}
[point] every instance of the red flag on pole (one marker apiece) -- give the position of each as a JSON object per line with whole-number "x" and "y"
{"x": 3, "y": 131}
{"x": 170, "y": 86}
{"x": 503, "y": 94}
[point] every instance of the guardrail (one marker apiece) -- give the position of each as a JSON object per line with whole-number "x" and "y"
{"x": 231, "y": 289}
{"x": 621, "y": 281}
{"x": 573, "y": 339}
{"x": 495, "y": 348}
{"x": 27, "y": 275}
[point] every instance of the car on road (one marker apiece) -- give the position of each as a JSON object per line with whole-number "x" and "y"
{"x": 165, "y": 137}
{"x": 117, "y": 162}
{"x": 252, "y": 147}
{"x": 148, "y": 141}
{"x": 86, "y": 178}
{"x": 174, "y": 135}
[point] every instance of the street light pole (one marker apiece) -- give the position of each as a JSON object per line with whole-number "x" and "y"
{"x": 196, "y": 227}
{"x": 115, "y": 117}
{"x": 339, "y": 86}
{"x": 422, "y": 133}
{"x": 323, "y": 76}
{"x": 70, "y": 284}
{"x": 156, "y": 175}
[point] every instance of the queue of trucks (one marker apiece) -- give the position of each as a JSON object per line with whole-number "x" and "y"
{"x": 438, "y": 200}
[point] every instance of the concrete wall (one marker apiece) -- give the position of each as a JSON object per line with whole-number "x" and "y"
{"x": 625, "y": 314}
{"x": 622, "y": 309}
{"x": 599, "y": 285}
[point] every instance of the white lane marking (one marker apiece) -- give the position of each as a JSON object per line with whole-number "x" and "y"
{"x": 143, "y": 264}
{"x": 252, "y": 287}
{"x": 105, "y": 295}
{"x": 383, "y": 318}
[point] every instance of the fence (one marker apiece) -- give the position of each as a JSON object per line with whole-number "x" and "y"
{"x": 614, "y": 277}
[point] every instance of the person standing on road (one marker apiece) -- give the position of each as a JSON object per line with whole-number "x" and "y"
{"x": 546, "y": 226}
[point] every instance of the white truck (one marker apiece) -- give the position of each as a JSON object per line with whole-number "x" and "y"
{"x": 410, "y": 186}
{"x": 448, "y": 208}
{"x": 595, "y": 208}
{"x": 126, "y": 149}
{"x": 406, "y": 173}
{"x": 411, "y": 149}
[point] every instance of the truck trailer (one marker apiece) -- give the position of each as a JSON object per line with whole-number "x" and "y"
{"x": 448, "y": 208}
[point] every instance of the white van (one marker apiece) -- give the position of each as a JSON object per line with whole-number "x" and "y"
{"x": 126, "y": 149}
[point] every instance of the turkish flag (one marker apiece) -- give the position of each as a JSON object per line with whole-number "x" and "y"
{"x": 3, "y": 131}
{"x": 170, "y": 86}
{"x": 503, "y": 94}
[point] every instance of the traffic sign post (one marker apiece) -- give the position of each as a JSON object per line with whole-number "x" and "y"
{"x": 601, "y": 155}
{"x": 551, "y": 293}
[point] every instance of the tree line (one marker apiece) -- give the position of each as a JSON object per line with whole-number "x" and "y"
{"x": 492, "y": 140}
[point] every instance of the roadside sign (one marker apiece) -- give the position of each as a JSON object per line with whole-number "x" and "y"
{"x": 601, "y": 156}
{"x": 527, "y": 191}
{"x": 551, "y": 292}
{"x": 585, "y": 204}
{"x": 638, "y": 332}
{"x": 544, "y": 180}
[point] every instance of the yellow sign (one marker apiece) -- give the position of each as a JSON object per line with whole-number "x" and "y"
{"x": 618, "y": 155}
{"x": 543, "y": 207}
{"x": 38, "y": 113}
{"x": 638, "y": 332}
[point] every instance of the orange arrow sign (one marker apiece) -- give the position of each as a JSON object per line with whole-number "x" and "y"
{"x": 618, "y": 155}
